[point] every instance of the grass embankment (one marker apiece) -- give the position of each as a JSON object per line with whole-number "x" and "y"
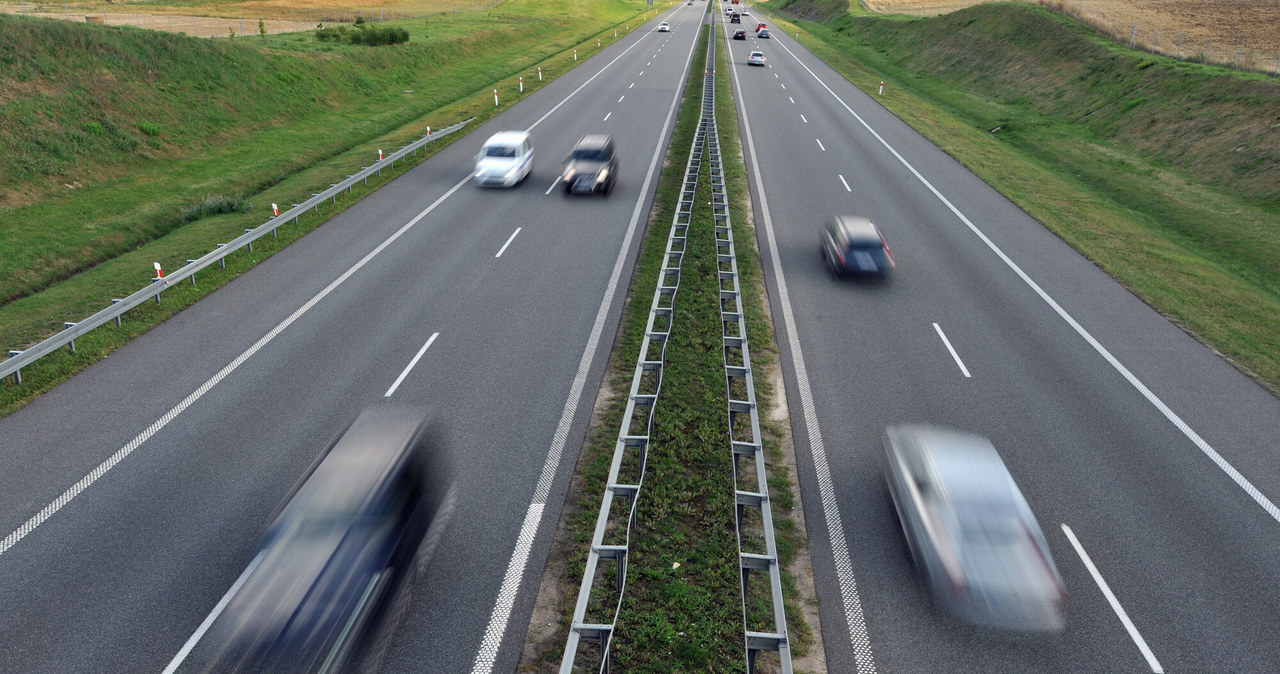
{"x": 682, "y": 610}
{"x": 113, "y": 132}
{"x": 1166, "y": 174}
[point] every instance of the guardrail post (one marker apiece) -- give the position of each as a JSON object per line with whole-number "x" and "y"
{"x": 193, "y": 274}
{"x": 153, "y": 281}
{"x": 115, "y": 301}
{"x": 17, "y": 374}
{"x": 222, "y": 261}
{"x": 67, "y": 325}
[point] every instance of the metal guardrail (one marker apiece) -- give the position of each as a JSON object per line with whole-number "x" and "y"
{"x": 646, "y": 384}
{"x": 20, "y": 359}
{"x": 744, "y": 419}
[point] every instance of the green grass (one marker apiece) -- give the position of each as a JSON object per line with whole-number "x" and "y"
{"x": 682, "y": 609}
{"x": 1166, "y": 174}
{"x": 130, "y": 209}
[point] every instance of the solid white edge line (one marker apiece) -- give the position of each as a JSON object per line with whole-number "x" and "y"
{"x": 409, "y": 367}
{"x": 1208, "y": 450}
{"x": 213, "y": 615}
{"x": 859, "y": 639}
{"x": 954, "y": 355}
{"x": 1115, "y": 603}
{"x": 512, "y": 238}
{"x": 75, "y": 490}
{"x": 491, "y": 643}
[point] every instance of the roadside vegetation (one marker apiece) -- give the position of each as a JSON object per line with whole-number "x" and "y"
{"x": 682, "y": 610}
{"x": 1164, "y": 173}
{"x": 126, "y": 147}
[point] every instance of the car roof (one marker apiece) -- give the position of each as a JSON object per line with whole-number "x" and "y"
{"x": 507, "y": 138}
{"x": 855, "y": 227}
{"x": 967, "y": 465}
{"x": 594, "y": 140}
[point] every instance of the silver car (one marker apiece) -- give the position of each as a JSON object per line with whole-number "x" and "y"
{"x": 972, "y": 534}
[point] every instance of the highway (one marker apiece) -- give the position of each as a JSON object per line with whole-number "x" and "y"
{"x": 1140, "y": 450}
{"x": 136, "y": 492}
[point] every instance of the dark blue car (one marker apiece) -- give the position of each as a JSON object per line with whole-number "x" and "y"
{"x": 853, "y": 245}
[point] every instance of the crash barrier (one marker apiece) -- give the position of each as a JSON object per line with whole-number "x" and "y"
{"x": 20, "y": 359}
{"x": 631, "y": 450}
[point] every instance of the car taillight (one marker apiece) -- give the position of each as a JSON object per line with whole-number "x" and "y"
{"x": 888, "y": 254}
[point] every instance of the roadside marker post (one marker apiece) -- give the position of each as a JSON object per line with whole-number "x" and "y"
{"x": 522, "y": 84}
{"x": 379, "y": 154}
{"x": 881, "y": 87}
{"x": 495, "y": 97}
{"x": 539, "y": 73}
{"x": 275, "y": 210}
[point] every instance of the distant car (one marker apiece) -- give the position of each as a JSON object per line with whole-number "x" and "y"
{"x": 852, "y": 244}
{"x": 740, "y": 34}
{"x": 735, "y": 18}
{"x": 760, "y": 27}
{"x": 971, "y": 533}
{"x": 592, "y": 166}
{"x": 764, "y": 33}
{"x": 744, "y": 12}
{"x": 664, "y": 27}
{"x": 342, "y": 547}
{"x": 504, "y": 160}
{"x": 756, "y": 58}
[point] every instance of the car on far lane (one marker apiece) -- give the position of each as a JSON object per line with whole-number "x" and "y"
{"x": 592, "y": 166}
{"x": 664, "y": 27}
{"x": 974, "y": 539}
{"x": 756, "y": 58}
{"x": 760, "y": 27}
{"x": 740, "y": 34}
{"x": 852, "y": 244}
{"x": 735, "y": 18}
{"x": 764, "y": 34}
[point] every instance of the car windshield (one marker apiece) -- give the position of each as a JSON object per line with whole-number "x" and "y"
{"x": 500, "y": 151}
{"x": 591, "y": 154}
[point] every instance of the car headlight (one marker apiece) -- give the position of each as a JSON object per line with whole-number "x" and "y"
{"x": 603, "y": 174}
{"x": 568, "y": 175}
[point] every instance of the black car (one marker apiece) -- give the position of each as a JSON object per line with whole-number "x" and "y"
{"x": 740, "y": 34}
{"x": 591, "y": 167}
{"x": 735, "y": 18}
{"x": 763, "y": 34}
{"x": 343, "y": 546}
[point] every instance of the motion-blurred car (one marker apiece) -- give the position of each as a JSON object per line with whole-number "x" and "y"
{"x": 504, "y": 160}
{"x": 591, "y": 167}
{"x": 337, "y": 555}
{"x": 760, "y": 27}
{"x": 664, "y": 27}
{"x": 852, "y": 244}
{"x": 740, "y": 34}
{"x": 764, "y": 34}
{"x": 756, "y": 58}
{"x": 971, "y": 533}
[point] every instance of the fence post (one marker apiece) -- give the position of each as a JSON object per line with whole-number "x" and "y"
{"x": 1133, "y": 36}
{"x": 1239, "y": 54}
{"x": 1277, "y": 72}
{"x": 1180, "y": 36}
{"x": 1206, "y": 51}
{"x": 1155, "y": 41}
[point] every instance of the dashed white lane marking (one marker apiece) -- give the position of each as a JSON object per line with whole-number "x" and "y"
{"x": 793, "y": 101}
{"x": 408, "y": 368}
{"x": 858, "y": 637}
{"x": 1207, "y": 449}
{"x": 66, "y": 497}
{"x": 511, "y": 238}
{"x": 805, "y": 119}
{"x": 633, "y": 84}
{"x": 553, "y": 185}
{"x": 820, "y": 145}
{"x": 606, "y": 117}
{"x": 1115, "y": 603}
{"x": 954, "y": 355}
{"x": 213, "y": 615}
{"x": 620, "y": 99}
{"x": 846, "y": 184}
{"x": 487, "y": 654}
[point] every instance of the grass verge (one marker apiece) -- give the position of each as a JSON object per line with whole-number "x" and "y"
{"x": 682, "y": 609}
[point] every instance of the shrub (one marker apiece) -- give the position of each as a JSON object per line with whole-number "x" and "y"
{"x": 211, "y": 205}
{"x": 150, "y": 128}
{"x": 364, "y": 33}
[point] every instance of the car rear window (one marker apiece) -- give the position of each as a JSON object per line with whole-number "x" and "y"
{"x": 500, "y": 151}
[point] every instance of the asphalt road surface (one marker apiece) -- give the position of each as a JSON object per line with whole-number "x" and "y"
{"x": 1135, "y": 445}
{"x": 136, "y": 493}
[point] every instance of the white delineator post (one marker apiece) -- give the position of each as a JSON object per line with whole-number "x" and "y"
{"x": 881, "y": 87}
{"x": 495, "y": 96}
{"x": 275, "y": 210}
{"x": 522, "y": 84}
{"x": 159, "y": 271}
{"x": 539, "y": 73}
{"x": 379, "y": 154}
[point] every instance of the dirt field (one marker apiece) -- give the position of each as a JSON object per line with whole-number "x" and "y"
{"x": 1185, "y": 27}
{"x": 219, "y": 20}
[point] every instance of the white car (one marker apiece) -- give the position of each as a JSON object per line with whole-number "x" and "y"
{"x": 505, "y": 160}
{"x": 756, "y": 58}
{"x": 664, "y": 27}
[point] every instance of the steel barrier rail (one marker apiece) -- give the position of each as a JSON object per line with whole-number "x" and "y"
{"x": 646, "y": 384}
{"x": 20, "y": 359}
{"x": 744, "y": 420}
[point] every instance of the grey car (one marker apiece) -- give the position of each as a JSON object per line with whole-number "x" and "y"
{"x": 972, "y": 535}
{"x": 592, "y": 166}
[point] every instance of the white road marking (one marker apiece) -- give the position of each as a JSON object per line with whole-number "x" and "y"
{"x": 487, "y": 654}
{"x": 846, "y": 184}
{"x": 805, "y": 119}
{"x": 858, "y": 637}
{"x": 633, "y": 84}
{"x": 413, "y": 362}
{"x": 623, "y": 96}
{"x": 954, "y": 355}
{"x": 606, "y": 118}
{"x": 510, "y": 239}
{"x": 1207, "y": 449}
{"x": 784, "y": 86}
{"x": 641, "y": 74}
{"x": 213, "y": 615}
{"x": 49, "y": 510}
{"x": 554, "y": 184}
{"x": 793, "y": 101}
{"x": 1115, "y": 603}
{"x": 820, "y": 145}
